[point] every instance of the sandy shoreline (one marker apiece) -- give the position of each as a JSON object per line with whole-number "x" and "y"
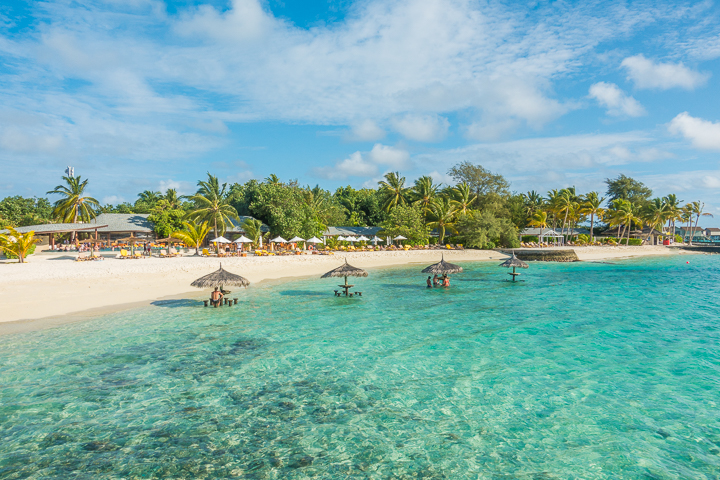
{"x": 52, "y": 289}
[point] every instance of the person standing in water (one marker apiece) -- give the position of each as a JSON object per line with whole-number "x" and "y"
{"x": 446, "y": 281}
{"x": 436, "y": 282}
{"x": 429, "y": 282}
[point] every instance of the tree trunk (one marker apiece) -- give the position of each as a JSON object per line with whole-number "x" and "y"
{"x": 592, "y": 229}
{"x": 565, "y": 221}
{"x": 74, "y": 233}
{"x": 217, "y": 244}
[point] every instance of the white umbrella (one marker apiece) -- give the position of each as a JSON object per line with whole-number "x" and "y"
{"x": 399, "y": 237}
{"x": 351, "y": 239}
{"x": 377, "y": 239}
{"x": 340, "y": 238}
{"x": 314, "y": 240}
{"x": 220, "y": 240}
{"x": 297, "y": 239}
{"x": 279, "y": 240}
{"x": 363, "y": 238}
{"x": 243, "y": 239}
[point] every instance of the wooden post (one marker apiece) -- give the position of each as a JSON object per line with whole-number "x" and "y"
{"x": 206, "y": 302}
{"x": 235, "y": 301}
{"x": 52, "y": 241}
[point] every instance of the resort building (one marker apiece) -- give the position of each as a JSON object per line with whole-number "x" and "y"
{"x": 712, "y": 234}
{"x": 544, "y": 235}
{"x": 118, "y": 225}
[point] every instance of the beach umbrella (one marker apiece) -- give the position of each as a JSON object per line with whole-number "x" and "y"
{"x": 220, "y": 240}
{"x": 514, "y": 262}
{"x": 442, "y": 268}
{"x": 314, "y": 240}
{"x": 279, "y": 239}
{"x": 363, "y": 238}
{"x": 243, "y": 239}
{"x": 351, "y": 239}
{"x": 296, "y": 239}
{"x": 132, "y": 241}
{"x": 169, "y": 240}
{"x": 340, "y": 238}
{"x": 346, "y": 270}
{"x": 399, "y": 237}
{"x": 377, "y": 239}
{"x": 220, "y": 278}
{"x": 92, "y": 241}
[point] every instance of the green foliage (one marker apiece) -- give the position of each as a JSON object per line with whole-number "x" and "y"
{"x": 12, "y": 256}
{"x": 18, "y": 245}
{"x": 393, "y": 190}
{"x": 253, "y": 229}
{"x": 124, "y": 207}
{"x": 407, "y": 220}
{"x": 583, "y": 239}
{"x": 517, "y": 208}
{"x": 19, "y": 211}
{"x": 678, "y": 238}
{"x": 491, "y": 189}
{"x": 362, "y": 207}
{"x": 489, "y": 246}
{"x": 627, "y": 188}
{"x": 478, "y": 229}
{"x": 211, "y": 205}
{"x": 73, "y": 206}
{"x": 193, "y": 234}
{"x": 166, "y": 222}
{"x": 530, "y": 238}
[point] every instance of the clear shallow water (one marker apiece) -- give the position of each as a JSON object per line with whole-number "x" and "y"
{"x": 583, "y": 370}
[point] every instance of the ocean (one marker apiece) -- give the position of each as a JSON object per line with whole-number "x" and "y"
{"x": 593, "y": 370}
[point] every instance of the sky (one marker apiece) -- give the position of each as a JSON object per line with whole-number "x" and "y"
{"x": 148, "y": 95}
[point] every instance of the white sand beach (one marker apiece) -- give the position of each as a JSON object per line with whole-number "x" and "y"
{"x": 56, "y": 288}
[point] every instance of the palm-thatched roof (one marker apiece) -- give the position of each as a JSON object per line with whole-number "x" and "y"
{"x": 346, "y": 270}
{"x": 220, "y": 278}
{"x": 442, "y": 268}
{"x": 514, "y": 262}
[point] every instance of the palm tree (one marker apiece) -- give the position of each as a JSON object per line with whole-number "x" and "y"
{"x": 539, "y": 220}
{"x": 564, "y": 204}
{"x": 674, "y": 210}
{"x": 442, "y": 215}
{"x": 393, "y": 188}
{"x": 424, "y": 192}
{"x": 592, "y": 206}
{"x": 18, "y": 244}
{"x": 696, "y": 208}
{"x": 149, "y": 197}
{"x": 74, "y": 206}
{"x": 273, "y": 179}
{"x": 686, "y": 215}
{"x": 171, "y": 197}
{"x": 533, "y": 202}
{"x": 253, "y": 229}
{"x": 462, "y": 198}
{"x": 211, "y": 205}
{"x": 193, "y": 234}
{"x": 624, "y": 213}
{"x": 654, "y": 214}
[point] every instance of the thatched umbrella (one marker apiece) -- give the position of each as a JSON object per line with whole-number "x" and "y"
{"x": 220, "y": 278}
{"x": 169, "y": 240}
{"x": 132, "y": 241}
{"x": 514, "y": 262}
{"x": 346, "y": 270}
{"x": 442, "y": 268}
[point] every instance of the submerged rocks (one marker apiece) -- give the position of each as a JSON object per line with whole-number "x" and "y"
{"x": 542, "y": 255}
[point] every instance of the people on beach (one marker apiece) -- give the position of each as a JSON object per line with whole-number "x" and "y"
{"x": 216, "y": 296}
{"x": 429, "y": 282}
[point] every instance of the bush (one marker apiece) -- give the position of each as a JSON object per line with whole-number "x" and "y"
{"x": 489, "y": 246}
{"x": 583, "y": 239}
{"x": 678, "y": 238}
{"x": 530, "y": 238}
{"x": 633, "y": 241}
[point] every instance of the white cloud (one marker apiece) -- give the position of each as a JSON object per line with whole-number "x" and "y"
{"x": 648, "y": 74}
{"x": 365, "y": 131}
{"x": 423, "y": 128}
{"x": 359, "y": 165}
{"x": 112, "y": 199}
{"x": 702, "y": 133}
{"x": 615, "y": 100}
{"x": 390, "y": 156}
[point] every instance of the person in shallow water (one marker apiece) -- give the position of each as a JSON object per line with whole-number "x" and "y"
{"x": 446, "y": 281}
{"x": 429, "y": 282}
{"x": 216, "y": 296}
{"x": 436, "y": 282}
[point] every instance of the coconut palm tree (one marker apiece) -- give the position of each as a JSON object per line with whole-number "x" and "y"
{"x": 18, "y": 244}
{"x": 74, "y": 206}
{"x": 696, "y": 208}
{"x": 591, "y": 205}
{"x": 424, "y": 192}
{"x": 563, "y": 205}
{"x": 533, "y": 202}
{"x": 149, "y": 197}
{"x": 674, "y": 210}
{"x": 172, "y": 199}
{"x": 193, "y": 234}
{"x": 273, "y": 179}
{"x": 624, "y": 214}
{"x": 253, "y": 229}
{"x": 393, "y": 189}
{"x": 212, "y": 206}
{"x": 462, "y": 197}
{"x": 443, "y": 216}
{"x": 654, "y": 214}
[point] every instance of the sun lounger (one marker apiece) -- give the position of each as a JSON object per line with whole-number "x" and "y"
{"x": 138, "y": 255}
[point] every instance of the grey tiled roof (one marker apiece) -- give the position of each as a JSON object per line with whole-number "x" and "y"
{"x": 236, "y": 226}
{"x": 56, "y": 228}
{"x": 546, "y": 232}
{"x": 367, "y": 231}
{"x": 123, "y": 222}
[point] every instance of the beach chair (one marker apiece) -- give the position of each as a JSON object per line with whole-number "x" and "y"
{"x": 138, "y": 255}
{"x": 123, "y": 254}
{"x": 205, "y": 252}
{"x": 163, "y": 253}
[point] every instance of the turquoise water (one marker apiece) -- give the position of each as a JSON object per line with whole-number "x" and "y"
{"x": 584, "y": 370}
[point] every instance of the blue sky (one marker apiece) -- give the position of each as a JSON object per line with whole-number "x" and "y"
{"x": 145, "y": 94}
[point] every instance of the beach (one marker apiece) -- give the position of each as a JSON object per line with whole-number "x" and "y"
{"x": 52, "y": 289}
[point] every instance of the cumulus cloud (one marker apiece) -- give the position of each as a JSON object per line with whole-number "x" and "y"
{"x": 365, "y": 165}
{"x": 648, "y": 74}
{"x": 365, "y": 131}
{"x": 422, "y": 128}
{"x": 701, "y": 133}
{"x": 615, "y": 100}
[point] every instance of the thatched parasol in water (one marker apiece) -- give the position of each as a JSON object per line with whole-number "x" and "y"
{"x": 514, "y": 262}
{"x": 220, "y": 278}
{"x": 443, "y": 268}
{"x": 346, "y": 270}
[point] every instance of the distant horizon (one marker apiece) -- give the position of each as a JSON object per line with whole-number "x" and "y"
{"x": 150, "y": 95}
